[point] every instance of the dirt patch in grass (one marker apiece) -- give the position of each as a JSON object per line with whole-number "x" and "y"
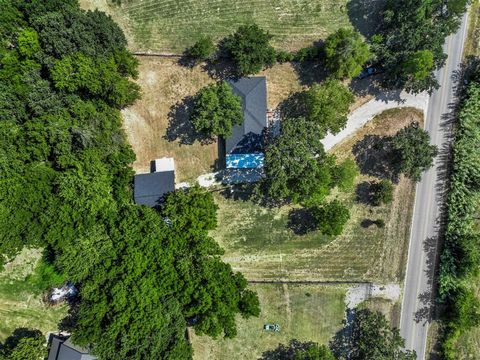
{"x": 304, "y": 312}
{"x": 20, "y": 306}
{"x": 259, "y": 243}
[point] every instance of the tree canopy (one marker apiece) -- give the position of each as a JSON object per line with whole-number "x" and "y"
{"x": 296, "y": 165}
{"x": 202, "y": 49}
{"x": 296, "y": 350}
{"x": 372, "y": 338}
{"x": 413, "y": 151}
{"x": 327, "y": 105}
{"x": 24, "y": 344}
{"x": 217, "y": 109}
{"x": 346, "y": 53}
{"x": 330, "y": 218}
{"x": 249, "y": 48}
{"x": 143, "y": 275}
{"x": 410, "y": 38}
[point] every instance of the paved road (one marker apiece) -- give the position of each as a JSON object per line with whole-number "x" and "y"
{"x": 417, "y": 300}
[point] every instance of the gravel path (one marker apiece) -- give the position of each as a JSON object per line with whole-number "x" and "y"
{"x": 368, "y": 111}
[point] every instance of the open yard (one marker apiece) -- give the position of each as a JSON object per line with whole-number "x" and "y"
{"x": 304, "y": 312}
{"x": 171, "y": 26}
{"x": 157, "y": 125}
{"x": 20, "y": 304}
{"x": 262, "y": 243}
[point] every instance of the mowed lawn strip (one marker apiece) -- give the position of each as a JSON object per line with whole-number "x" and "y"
{"x": 171, "y": 25}
{"x": 21, "y": 305}
{"x": 259, "y": 243}
{"x": 304, "y": 312}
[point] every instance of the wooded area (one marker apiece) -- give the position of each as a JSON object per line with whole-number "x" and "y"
{"x": 66, "y": 187}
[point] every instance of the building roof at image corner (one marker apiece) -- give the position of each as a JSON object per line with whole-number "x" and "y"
{"x": 61, "y": 349}
{"x": 253, "y": 92}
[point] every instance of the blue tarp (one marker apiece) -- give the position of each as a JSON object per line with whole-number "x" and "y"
{"x": 245, "y": 161}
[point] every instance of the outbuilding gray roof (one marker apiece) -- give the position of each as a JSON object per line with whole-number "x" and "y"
{"x": 253, "y": 92}
{"x": 61, "y": 349}
{"x": 150, "y": 188}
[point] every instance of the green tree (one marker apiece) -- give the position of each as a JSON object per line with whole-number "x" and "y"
{"x": 24, "y": 344}
{"x": 381, "y": 192}
{"x": 412, "y": 150}
{"x": 296, "y": 350}
{"x": 373, "y": 338}
{"x": 28, "y": 45}
{"x": 344, "y": 174}
{"x": 346, "y": 53}
{"x": 331, "y": 217}
{"x": 217, "y": 109}
{"x": 249, "y": 48}
{"x": 327, "y": 105}
{"x": 419, "y": 65}
{"x": 202, "y": 49}
{"x": 296, "y": 166}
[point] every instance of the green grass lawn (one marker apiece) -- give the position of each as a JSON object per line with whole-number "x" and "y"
{"x": 304, "y": 312}
{"x": 172, "y": 25}
{"x": 259, "y": 243}
{"x": 20, "y": 299}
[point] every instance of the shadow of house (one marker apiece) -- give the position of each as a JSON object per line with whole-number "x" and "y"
{"x": 62, "y": 348}
{"x": 244, "y": 157}
{"x": 150, "y": 188}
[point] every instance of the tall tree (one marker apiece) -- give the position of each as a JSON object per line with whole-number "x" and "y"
{"x": 346, "y": 53}
{"x": 412, "y": 150}
{"x": 217, "y": 109}
{"x": 249, "y": 48}
{"x": 296, "y": 165}
{"x": 327, "y": 106}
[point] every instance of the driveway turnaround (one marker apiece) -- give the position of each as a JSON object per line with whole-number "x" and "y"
{"x": 366, "y": 112}
{"x": 418, "y": 298}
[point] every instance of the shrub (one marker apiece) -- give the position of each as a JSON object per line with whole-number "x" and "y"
{"x": 381, "y": 192}
{"x": 283, "y": 56}
{"x": 331, "y": 217}
{"x": 249, "y": 48}
{"x": 202, "y": 49}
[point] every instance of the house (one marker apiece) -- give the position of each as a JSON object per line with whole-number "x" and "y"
{"x": 150, "y": 188}
{"x": 244, "y": 155}
{"x": 64, "y": 349}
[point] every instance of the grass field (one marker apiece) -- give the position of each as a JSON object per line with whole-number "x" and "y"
{"x": 20, "y": 302}
{"x": 171, "y": 25}
{"x": 163, "y": 109}
{"x": 304, "y": 312}
{"x": 259, "y": 243}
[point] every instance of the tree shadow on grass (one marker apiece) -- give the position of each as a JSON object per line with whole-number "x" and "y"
{"x": 301, "y": 221}
{"x": 365, "y": 16}
{"x": 375, "y": 157}
{"x": 363, "y": 193}
{"x": 180, "y": 127}
{"x": 287, "y": 352}
{"x": 293, "y": 106}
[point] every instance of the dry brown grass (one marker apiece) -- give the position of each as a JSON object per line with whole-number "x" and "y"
{"x": 164, "y": 83}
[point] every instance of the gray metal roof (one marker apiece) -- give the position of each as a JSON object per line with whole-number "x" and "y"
{"x": 150, "y": 188}
{"x": 65, "y": 350}
{"x": 253, "y": 91}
